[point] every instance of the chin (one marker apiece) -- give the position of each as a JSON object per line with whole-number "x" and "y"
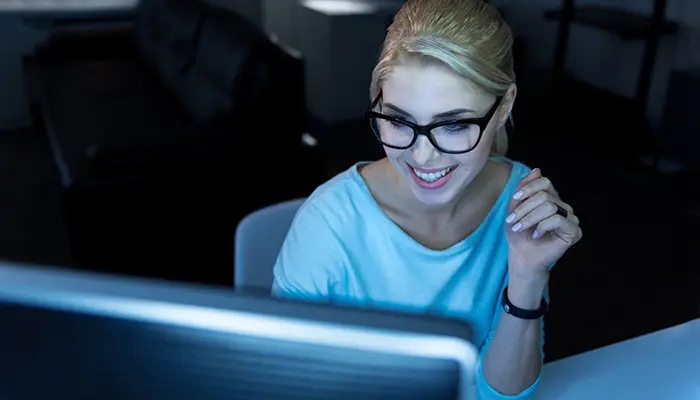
{"x": 433, "y": 199}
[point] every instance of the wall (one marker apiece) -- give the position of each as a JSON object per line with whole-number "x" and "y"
{"x": 601, "y": 58}
{"x": 340, "y": 44}
{"x": 597, "y": 57}
{"x": 688, "y": 12}
{"x": 16, "y": 39}
{"x": 279, "y": 17}
{"x": 250, "y": 9}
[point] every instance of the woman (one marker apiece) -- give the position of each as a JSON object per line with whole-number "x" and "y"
{"x": 443, "y": 223}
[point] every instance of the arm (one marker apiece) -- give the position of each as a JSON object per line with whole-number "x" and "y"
{"x": 513, "y": 359}
{"x": 540, "y": 229}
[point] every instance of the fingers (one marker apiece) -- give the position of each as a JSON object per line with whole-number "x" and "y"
{"x": 534, "y": 174}
{"x": 545, "y": 219}
{"x": 564, "y": 228}
{"x": 530, "y": 187}
{"x": 540, "y": 210}
{"x": 537, "y": 208}
{"x": 535, "y": 204}
{"x": 530, "y": 204}
{"x": 574, "y": 219}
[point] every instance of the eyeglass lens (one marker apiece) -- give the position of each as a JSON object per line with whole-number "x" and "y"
{"x": 453, "y": 137}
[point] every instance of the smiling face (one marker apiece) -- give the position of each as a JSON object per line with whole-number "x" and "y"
{"x": 418, "y": 94}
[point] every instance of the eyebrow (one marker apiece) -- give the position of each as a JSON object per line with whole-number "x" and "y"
{"x": 446, "y": 114}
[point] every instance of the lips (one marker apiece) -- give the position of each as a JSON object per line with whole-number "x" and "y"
{"x": 431, "y": 179}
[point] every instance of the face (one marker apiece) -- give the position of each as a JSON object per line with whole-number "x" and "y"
{"x": 418, "y": 94}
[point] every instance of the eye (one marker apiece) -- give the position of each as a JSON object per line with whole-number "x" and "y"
{"x": 398, "y": 121}
{"x": 456, "y": 127}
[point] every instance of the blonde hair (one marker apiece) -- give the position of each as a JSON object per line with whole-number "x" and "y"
{"x": 468, "y": 36}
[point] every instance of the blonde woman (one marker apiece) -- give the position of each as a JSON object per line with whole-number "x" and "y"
{"x": 444, "y": 223}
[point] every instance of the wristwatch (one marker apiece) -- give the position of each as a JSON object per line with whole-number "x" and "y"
{"x": 509, "y": 308}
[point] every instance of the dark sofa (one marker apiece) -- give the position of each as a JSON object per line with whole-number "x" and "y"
{"x": 167, "y": 133}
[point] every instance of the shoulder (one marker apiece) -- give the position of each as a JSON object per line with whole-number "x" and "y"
{"x": 328, "y": 210}
{"x": 517, "y": 168}
{"x": 505, "y": 176}
{"x": 338, "y": 201}
{"x": 515, "y": 171}
{"x": 315, "y": 251}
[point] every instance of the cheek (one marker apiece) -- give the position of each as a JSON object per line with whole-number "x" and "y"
{"x": 393, "y": 154}
{"x": 483, "y": 150}
{"x": 475, "y": 159}
{"x": 488, "y": 135}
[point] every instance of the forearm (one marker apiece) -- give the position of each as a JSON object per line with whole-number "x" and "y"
{"x": 513, "y": 360}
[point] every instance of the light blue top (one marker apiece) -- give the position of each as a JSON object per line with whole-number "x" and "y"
{"x": 342, "y": 248}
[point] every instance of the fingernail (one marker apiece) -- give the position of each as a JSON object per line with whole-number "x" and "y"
{"x": 536, "y": 234}
{"x": 518, "y": 195}
{"x": 517, "y": 227}
{"x": 510, "y": 218}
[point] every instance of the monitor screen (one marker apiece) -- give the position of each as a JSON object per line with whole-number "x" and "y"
{"x": 76, "y": 335}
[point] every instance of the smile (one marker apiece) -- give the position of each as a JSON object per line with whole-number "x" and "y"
{"x": 433, "y": 179}
{"x": 432, "y": 176}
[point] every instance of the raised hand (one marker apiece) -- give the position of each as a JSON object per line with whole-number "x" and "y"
{"x": 540, "y": 227}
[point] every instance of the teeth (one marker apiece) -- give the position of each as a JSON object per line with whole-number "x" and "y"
{"x": 433, "y": 176}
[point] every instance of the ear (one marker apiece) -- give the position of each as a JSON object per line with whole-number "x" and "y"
{"x": 507, "y": 103}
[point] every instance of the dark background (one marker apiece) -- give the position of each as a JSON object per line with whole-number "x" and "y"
{"x": 627, "y": 165}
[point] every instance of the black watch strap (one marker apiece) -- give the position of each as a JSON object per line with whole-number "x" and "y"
{"x": 509, "y": 308}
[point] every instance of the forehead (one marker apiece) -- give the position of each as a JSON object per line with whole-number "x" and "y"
{"x": 425, "y": 90}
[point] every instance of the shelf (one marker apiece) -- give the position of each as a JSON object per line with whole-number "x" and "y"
{"x": 626, "y": 25}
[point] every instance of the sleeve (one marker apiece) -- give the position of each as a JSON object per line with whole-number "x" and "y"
{"x": 309, "y": 264}
{"x": 486, "y": 392}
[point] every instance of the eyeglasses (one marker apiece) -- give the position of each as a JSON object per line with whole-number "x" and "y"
{"x": 455, "y": 136}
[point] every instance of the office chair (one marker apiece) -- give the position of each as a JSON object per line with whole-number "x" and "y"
{"x": 259, "y": 237}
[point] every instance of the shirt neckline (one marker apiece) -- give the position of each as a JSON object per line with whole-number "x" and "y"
{"x": 457, "y": 247}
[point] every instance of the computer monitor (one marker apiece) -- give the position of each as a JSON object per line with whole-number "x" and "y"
{"x": 75, "y": 335}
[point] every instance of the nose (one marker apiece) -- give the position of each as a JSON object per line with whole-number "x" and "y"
{"x": 423, "y": 151}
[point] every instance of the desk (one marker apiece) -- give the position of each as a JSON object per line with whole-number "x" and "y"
{"x": 657, "y": 366}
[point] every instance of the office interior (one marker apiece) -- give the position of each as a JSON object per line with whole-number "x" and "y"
{"x": 116, "y": 161}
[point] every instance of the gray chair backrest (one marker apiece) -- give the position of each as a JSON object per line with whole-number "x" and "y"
{"x": 259, "y": 237}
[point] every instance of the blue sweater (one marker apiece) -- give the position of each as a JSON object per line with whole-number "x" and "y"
{"x": 342, "y": 248}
